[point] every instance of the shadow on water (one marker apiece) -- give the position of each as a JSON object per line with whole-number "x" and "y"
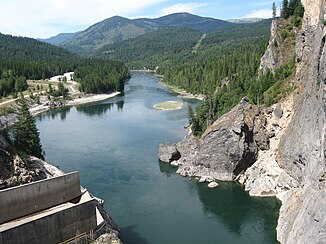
{"x": 120, "y": 105}
{"x": 53, "y": 114}
{"x": 128, "y": 235}
{"x": 95, "y": 110}
{"x": 100, "y": 109}
{"x": 166, "y": 169}
{"x": 236, "y": 208}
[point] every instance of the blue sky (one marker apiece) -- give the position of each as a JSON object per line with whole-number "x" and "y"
{"x": 45, "y": 18}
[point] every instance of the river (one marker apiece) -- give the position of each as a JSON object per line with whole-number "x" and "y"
{"x": 114, "y": 145}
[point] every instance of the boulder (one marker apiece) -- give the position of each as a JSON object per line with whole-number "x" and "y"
{"x": 213, "y": 184}
{"x": 168, "y": 153}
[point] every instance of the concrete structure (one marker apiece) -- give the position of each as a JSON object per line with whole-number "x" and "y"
{"x": 66, "y": 76}
{"x": 22, "y": 200}
{"x": 57, "y": 78}
{"x": 47, "y": 211}
{"x": 69, "y": 75}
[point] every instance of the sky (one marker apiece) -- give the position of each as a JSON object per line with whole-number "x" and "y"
{"x": 46, "y": 18}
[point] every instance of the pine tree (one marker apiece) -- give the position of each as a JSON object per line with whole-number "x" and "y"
{"x": 274, "y": 10}
{"x": 285, "y": 9}
{"x": 26, "y": 135}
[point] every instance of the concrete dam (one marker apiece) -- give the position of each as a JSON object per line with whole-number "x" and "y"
{"x": 53, "y": 210}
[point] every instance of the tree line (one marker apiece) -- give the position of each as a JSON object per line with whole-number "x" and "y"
{"x": 25, "y": 58}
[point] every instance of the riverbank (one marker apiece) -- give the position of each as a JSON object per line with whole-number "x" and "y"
{"x": 183, "y": 93}
{"x": 47, "y": 105}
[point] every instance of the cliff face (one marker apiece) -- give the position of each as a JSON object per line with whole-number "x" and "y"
{"x": 277, "y": 151}
{"x": 302, "y": 148}
{"x": 225, "y": 150}
{"x": 280, "y": 48}
{"x": 269, "y": 59}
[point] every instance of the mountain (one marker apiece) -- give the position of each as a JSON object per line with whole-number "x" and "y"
{"x": 58, "y": 39}
{"x": 117, "y": 29}
{"x": 173, "y": 44}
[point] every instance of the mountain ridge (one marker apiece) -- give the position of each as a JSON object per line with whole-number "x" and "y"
{"x": 117, "y": 28}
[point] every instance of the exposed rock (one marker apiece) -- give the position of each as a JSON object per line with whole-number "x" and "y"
{"x": 225, "y": 150}
{"x": 168, "y": 153}
{"x": 301, "y": 151}
{"x": 269, "y": 59}
{"x": 213, "y": 184}
{"x": 108, "y": 238}
{"x": 174, "y": 163}
{"x": 278, "y": 113}
{"x": 206, "y": 179}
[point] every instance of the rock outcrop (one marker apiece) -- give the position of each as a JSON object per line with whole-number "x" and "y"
{"x": 226, "y": 149}
{"x": 280, "y": 48}
{"x": 302, "y": 148}
{"x": 269, "y": 59}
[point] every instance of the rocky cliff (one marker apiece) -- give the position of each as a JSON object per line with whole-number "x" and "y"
{"x": 301, "y": 152}
{"x": 276, "y": 151}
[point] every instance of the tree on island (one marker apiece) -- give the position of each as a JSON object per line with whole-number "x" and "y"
{"x": 26, "y": 135}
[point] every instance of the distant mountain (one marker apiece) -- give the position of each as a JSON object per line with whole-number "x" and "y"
{"x": 58, "y": 39}
{"x": 245, "y": 20}
{"x": 174, "y": 44}
{"x": 117, "y": 29}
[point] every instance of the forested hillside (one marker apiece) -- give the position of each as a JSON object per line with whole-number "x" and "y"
{"x": 117, "y": 29}
{"x": 173, "y": 46}
{"x": 153, "y": 49}
{"x": 227, "y": 69}
{"x": 25, "y": 58}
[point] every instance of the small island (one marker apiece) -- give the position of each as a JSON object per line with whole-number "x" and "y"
{"x": 169, "y": 105}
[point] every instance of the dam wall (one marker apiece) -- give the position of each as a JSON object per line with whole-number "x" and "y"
{"x": 47, "y": 211}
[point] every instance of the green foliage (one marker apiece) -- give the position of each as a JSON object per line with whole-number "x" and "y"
{"x": 96, "y": 76}
{"x": 169, "y": 46}
{"x": 284, "y": 34}
{"x": 225, "y": 72}
{"x": 278, "y": 85}
{"x": 25, "y": 58}
{"x": 285, "y": 9}
{"x": 11, "y": 84}
{"x": 274, "y": 10}
{"x": 154, "y": 48}
{"x": 26, "y": 135}
{"x": 292, "y": 8}
{"x": 60, "y": 91}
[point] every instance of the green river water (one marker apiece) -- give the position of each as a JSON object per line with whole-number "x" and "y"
{"x": 114, "y": 146}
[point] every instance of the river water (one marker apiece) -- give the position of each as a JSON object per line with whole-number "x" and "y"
{"x": 114, "y": 144}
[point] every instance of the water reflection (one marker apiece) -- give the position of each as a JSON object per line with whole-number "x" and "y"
{"x": 53, "y": 114}
{"x": 120, "y": 105}
{"x": 129, "y": 235}
{"x": 238, "y": 211}
{"x": 166, "y": 169}
{"x": 95, "y": 110}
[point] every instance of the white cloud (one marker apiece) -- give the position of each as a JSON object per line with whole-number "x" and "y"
{"x": 261, "y": 13}
{"x": 43, "y": 18}
{"x": 183, "y": 7}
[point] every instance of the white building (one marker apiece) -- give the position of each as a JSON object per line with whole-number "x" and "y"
{"x": 69, "y": 76}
